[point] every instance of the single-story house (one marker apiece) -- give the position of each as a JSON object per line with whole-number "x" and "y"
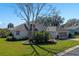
{"x": 21, "y": 31}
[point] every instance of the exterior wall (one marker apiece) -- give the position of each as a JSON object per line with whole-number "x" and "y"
{"x": 59, "y": 35}
{"x": 58, "y": 32}
{"x": 63, "y": 35}
{"x": 22, "y": 34}
{"x": 53, "y": 34}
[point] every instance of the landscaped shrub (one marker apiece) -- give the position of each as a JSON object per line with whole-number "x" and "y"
{"x": 10, "y": 38}
{"x": 40, "y": 37}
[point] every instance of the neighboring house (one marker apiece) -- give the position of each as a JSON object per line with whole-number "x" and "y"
{"x": 21, "y": 31}
{"x": 73, "y": 29}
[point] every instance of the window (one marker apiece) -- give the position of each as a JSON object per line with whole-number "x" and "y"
{"x": 17, "y": 32}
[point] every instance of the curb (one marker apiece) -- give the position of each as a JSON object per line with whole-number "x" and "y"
{"x": 66, "y": 51}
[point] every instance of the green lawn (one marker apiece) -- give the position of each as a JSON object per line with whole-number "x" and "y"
{"x": 76, "y": 36}
{"x": 16, "y": 48}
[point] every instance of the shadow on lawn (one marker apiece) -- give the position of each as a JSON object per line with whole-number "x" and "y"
{"x": 39, "y": 45}
{"x": 35, "y": 51}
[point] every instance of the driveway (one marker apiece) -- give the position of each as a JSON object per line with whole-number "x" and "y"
{"x": 74, "y": 51}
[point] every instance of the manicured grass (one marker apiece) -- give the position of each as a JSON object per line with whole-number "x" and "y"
{"x": 16, "y": 48}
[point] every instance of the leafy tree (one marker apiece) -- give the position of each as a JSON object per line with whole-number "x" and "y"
{"x": 42, "y": 20}
{"x": 53, "y": 19}
{"x": 10, "y": 25}
{"x": 71, "y": 22}
{"x": 56, "y": 20}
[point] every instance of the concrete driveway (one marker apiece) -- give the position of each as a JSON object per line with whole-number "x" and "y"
{"x": 74, "y": 51}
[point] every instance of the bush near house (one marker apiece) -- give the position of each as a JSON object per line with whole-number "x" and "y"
{"x": 11, "y": 38}
{"x": 40, "y": 37}
{"x": 4, "y": 33}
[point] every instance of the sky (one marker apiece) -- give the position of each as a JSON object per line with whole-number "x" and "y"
{"x": 7, "y": 14}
